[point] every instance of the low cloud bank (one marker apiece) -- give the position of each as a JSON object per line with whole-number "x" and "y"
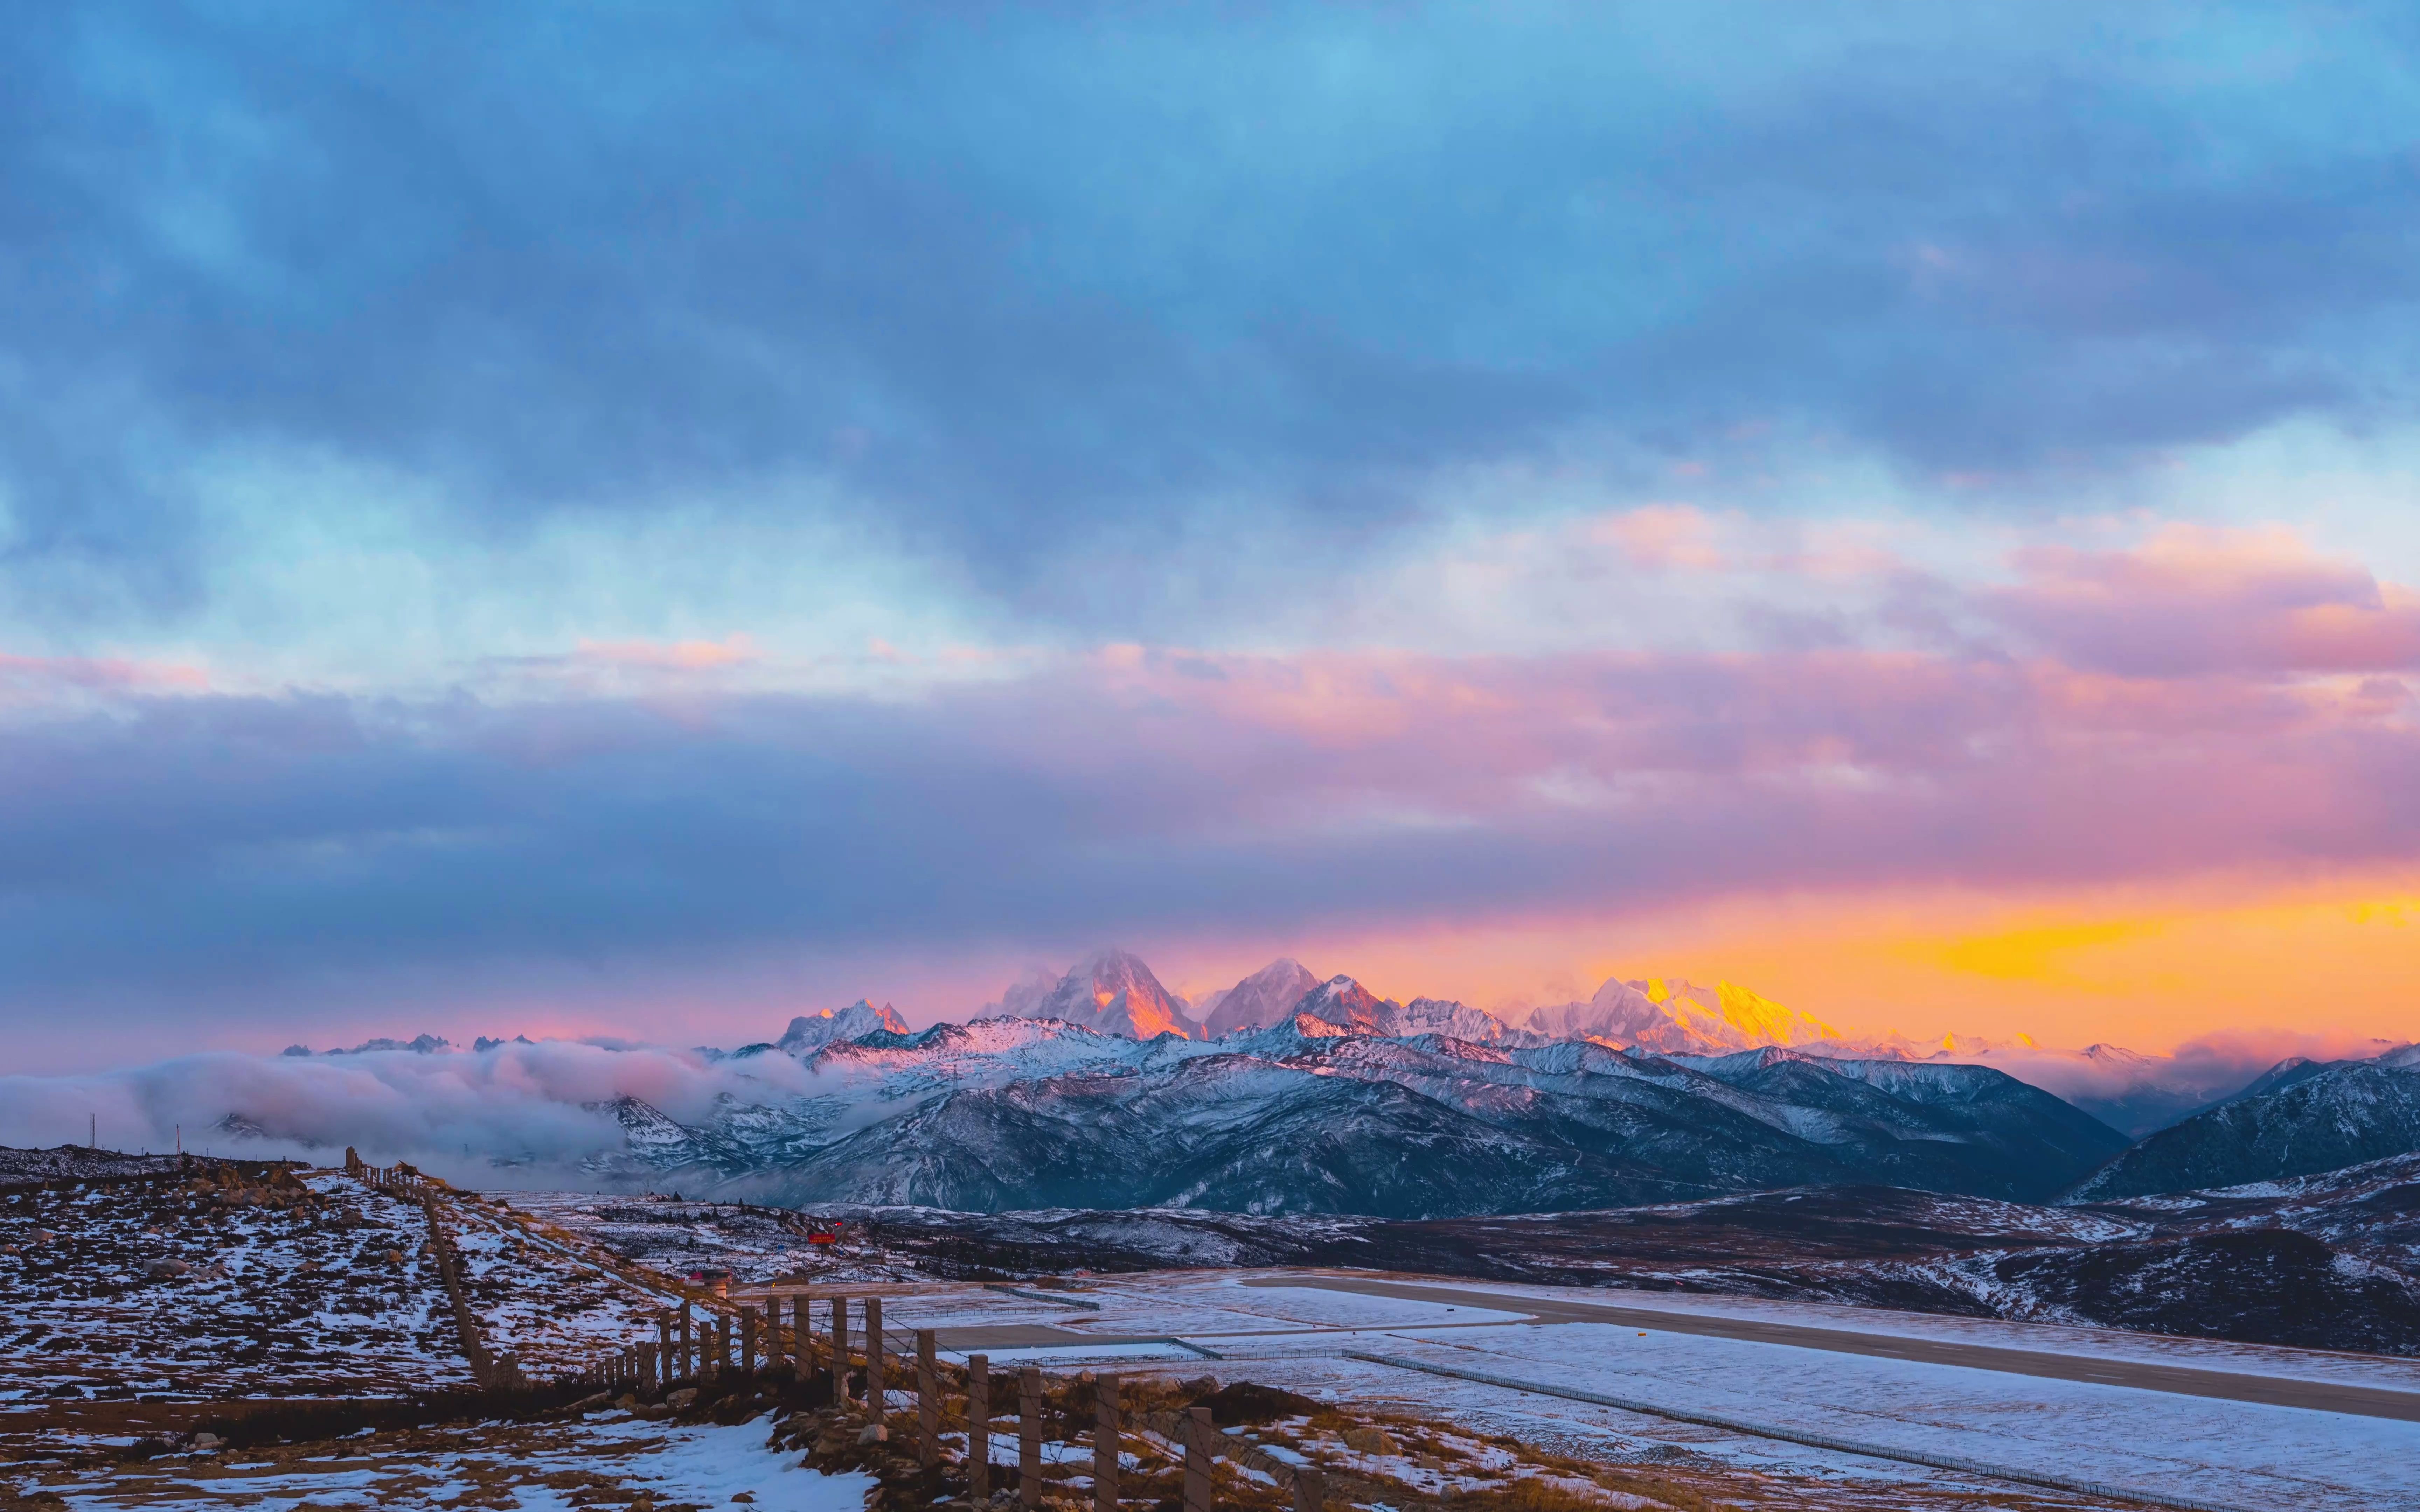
{"x": 2214, "y": 1065}
{"x": 536, "y": 1103}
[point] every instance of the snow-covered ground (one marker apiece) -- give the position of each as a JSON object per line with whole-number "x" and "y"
{"x": 309, "y": 1285}
{"x": 1293, "y": 1335}
{"x": 186, "y": 1290}
{"x": 545, "y": 1297}
{"x": 545, "y": 1466}
{"x": 319, "y": 1286}
{"x": 756, "y": 1245}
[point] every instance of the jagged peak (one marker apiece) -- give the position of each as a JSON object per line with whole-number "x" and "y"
{"x": 1111, "y": 990}
{"x": 1266, "y": 998}
{"x": 809, "y": 1031}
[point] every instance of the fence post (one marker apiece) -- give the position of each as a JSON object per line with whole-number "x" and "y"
{"x": 646, "y": 1369}
{"x": 1309, "y": 1489}
{"x": 1197, "y": 1459}
{"x": 1106, "y": 1442}
{"x": 721, "y": 1348}
{"x": 773, "y": 1332}
{"x": 979, "y": 1427}
{"x": 876, "y": 1396}
{"x": 840, "y": 1348}
{"x": 1029, "y": 1437}
{"x": 802, "y": 1336}
{"x": 685, "y": 1354}
{"x": 747, "y": 1340}
{"x": 664, "y": 1348}
{"x": 928, "y": 1409}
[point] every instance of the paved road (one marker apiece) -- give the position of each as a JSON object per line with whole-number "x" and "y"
{"x": 2183, "y": 1381}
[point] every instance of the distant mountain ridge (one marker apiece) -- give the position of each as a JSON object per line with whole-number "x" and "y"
{"x": 1286, "y": 1092}
{"x": 1319, "y": 1115}
{"x": 2300, "y": 1119}
{"x": 2133, "y": 1093}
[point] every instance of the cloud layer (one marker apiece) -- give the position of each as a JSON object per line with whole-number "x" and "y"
{"x": 1076, "y": 280}
{"x": 538, "y": 1104}
{"x": 201, "y": 844}
{"x": 614, "y": 521}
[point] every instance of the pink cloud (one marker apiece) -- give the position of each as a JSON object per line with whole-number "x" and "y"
{"x": 668, "y": 656}
{"x": 1664, "y": 536}
{"x": 2196, "y": 599}
{"x": 39, "y": 675}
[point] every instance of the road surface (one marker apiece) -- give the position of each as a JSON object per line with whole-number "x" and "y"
{"x": 2184, "y": 1380}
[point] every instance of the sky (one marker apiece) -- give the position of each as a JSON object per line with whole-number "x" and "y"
{"x": 646, "y": 519}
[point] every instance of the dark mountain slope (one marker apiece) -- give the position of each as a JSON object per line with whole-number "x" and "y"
{"x": 2302, "y": 1123}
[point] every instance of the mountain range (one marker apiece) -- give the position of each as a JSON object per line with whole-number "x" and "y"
{"x": 1327, "y": 1112}
{"x": 1286, "y": 1093}
{"x": 1115, "y": 992}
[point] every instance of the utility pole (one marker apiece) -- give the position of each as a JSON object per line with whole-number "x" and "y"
{"x": 92, "y": 1140}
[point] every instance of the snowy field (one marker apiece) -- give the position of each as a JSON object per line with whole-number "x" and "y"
{"x": 303, "y": 1286}
{"x": 1292, "y": 1336}
{"x": 187, "y": 1290}
{"x": 756, "y": 1245}
{"x": 2390, "y": 1372}
{"x": 614, "y": 1460}
{"x": 549, "y": 1301}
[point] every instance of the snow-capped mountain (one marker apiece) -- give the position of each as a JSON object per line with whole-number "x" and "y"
{"x": 2133, "y": 1093}
{"x": 1678, "y": 1017}
{"x": 1346, "y": 1005}
{"x": 856, "y": 1021}
{"x": 1111, "y": 992}
{"x": 1315, "y": 1115}
{"x": 2300, "y": 1119}
{"x": 1093, "y": 1088}
{"x": 1260, "y": 999}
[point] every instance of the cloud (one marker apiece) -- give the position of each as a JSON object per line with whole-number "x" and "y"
{"x": 1046, "y": 283}
{"x": 536, "y": 1104}
{"x": 2194, "y": 599}
{"x": 2204, "y": 1068}
{"x": 46, "y": 680}
{"x": 221, "y": 848}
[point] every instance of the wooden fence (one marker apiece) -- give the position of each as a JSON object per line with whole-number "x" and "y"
{"x": 690, "y": 1349}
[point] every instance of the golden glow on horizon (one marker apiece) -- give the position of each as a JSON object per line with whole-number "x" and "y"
{"x": 2134, "y": 966}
